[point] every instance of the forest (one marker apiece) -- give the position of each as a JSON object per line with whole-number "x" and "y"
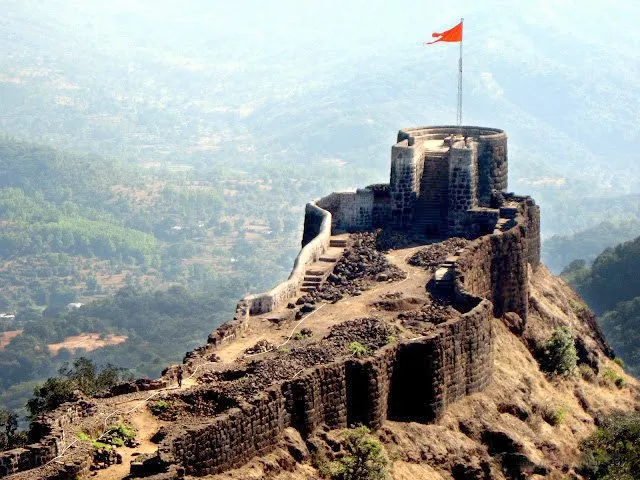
{"x": 611, "y": 287}
{"x": 156, "y": 256}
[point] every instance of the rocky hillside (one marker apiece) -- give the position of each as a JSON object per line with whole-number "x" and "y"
{"x": 526, "y": 423}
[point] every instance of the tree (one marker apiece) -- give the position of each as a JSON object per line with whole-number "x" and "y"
{"x": 612, "y": 452}
{"x": 82, "y": 375}
{"x": 10, "y": 437}
{"x": 365, "y": 459}
{"x": 560, "y": 352}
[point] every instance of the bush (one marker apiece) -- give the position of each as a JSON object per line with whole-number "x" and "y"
{"x": 553, "y": 416}
{"x": 365, "y": 458}
{"x": 122, "y": 431}
{"x": 302, "y": 334}
{"x": 158, "y": 407}
{"x": 612, "y": 378}
{"x": 560, "y": 356}
{"x": 612, "y": 452}
{"x": 358, "y": 350}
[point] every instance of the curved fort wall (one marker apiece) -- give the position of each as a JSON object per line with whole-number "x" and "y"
{"x": 408, "y": 381}
{"x": 411, "y": 381}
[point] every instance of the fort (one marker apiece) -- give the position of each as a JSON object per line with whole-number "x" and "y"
{"x": 445, "y": 182}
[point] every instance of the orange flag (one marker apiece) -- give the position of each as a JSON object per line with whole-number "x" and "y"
{"x": 452, "y": 35}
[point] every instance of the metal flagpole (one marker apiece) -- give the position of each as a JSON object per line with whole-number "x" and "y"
{"x": 459, "y": 112}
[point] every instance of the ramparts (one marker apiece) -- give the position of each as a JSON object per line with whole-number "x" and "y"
{"x": 408, "y": 381}
{"x": 411, "y": 381}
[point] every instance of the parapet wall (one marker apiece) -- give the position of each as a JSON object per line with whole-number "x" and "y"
{"x": 318, "y": 235}
{"x": 364, "y": 209}
{"x": 495, "y": 266}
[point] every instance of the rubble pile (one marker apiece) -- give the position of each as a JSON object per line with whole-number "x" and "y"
{"x": 432, "y": 255}
{"x": 424, "y": 319}
{"x": 356, "y": 271}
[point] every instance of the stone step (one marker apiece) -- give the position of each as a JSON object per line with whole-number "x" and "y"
{"x": 337, "y": 242}
{"x": 308, "y": 289}
{"x": 328, "y": 259}
{"x": 312, "y": 282}
{"x": 314, "y": 272}
{"x": 313, "y": 278}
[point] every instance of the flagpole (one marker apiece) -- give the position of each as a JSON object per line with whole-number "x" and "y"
{"x": 459, "y": 112}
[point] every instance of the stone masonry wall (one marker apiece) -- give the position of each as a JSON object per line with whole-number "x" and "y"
{"x": 53, "y": 427}
{"x": 495, "y": 266}
{"x": 459, "y": 360}
{"x": 407, "y": 164}
{"x": 463, "y": 179}
{"x": 492, "y": 166}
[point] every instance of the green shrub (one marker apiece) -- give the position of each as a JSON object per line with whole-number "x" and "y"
{"x": 158, "y": 407}
{"x": 124, "y": 431}
{"x": 579, "y": 308}
{"x": 117, "y": 442}
{"x": 83, "y": 437}
{"x": 560, "y": 356}
{"x": 99, "y": 445}
{"x": 613, "y": 378}
{"x": 358, "y": 350}
{"x": 553, "y": 416}
{"x": 619, "y": 361}
{"x": 302, "y": 334}
{"x": 612, "y": 452}
{"x": 365, "y": 458}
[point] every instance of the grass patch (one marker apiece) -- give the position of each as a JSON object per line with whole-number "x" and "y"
{"x": 358, "y": 350}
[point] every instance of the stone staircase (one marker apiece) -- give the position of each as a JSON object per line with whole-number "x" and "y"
{"x": 317, "y": 272}
{"x": 432, "y": 204}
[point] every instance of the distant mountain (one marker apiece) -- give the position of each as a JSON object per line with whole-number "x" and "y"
{"x": 560, "y": 250}
{"x": 246, "y": 85}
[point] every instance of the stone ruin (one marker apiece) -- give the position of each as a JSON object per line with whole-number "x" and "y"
{"x": 444, "y": 182}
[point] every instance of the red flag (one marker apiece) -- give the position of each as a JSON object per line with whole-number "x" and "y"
{"x": 452, "y": 35}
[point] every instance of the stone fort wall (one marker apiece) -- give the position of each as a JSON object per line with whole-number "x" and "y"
{"x": 408, "y": 381}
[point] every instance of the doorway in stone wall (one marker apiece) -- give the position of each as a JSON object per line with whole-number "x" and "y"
{"x": 411, "y": 394}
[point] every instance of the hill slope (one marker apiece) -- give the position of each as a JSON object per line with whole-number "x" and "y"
{"x": 507, "y": 429}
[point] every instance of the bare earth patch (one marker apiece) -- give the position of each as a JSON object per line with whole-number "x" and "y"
{"x": 87, "y": 341}
{"x": 6, "y": 337}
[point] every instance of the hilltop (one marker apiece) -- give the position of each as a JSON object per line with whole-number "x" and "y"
{"x": 417, "y": 308}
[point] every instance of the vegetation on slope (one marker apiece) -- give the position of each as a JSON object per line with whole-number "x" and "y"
{"x": 142, "y": 248}
{"x": 611, "y": 287}
{"x": 613, "y": 451}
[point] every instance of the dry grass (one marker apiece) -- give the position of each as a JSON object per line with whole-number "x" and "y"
{"x": 87, "y": 342}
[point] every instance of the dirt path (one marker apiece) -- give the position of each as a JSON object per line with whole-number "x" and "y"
{"x": 138, "y": 415}
{"x": 146, "y": 426}
{"x": 332, "y": 313}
